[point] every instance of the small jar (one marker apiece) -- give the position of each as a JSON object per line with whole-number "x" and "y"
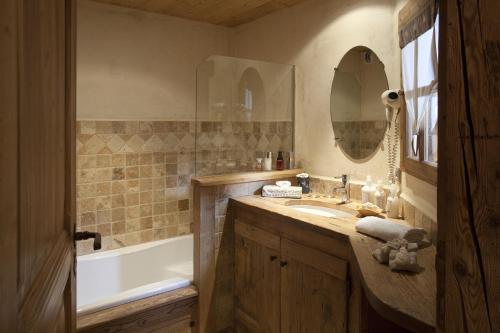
{"x": 280, "y": 161}
{"x": 259, "y": 165}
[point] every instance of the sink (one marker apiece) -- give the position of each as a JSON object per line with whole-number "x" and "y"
{"x": 320, "y": 211}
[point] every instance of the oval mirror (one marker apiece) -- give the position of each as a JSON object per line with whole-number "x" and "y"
{"x": 358, "y": 115}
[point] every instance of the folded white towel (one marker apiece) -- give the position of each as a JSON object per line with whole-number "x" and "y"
{"x": 275, "y": 191}
{"x": 283, "y": 183}
{"x": 387, "y": 230}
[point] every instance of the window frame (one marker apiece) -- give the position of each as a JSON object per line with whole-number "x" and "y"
{"x": 420, "y": 169}
{"x": 414, "y": 19}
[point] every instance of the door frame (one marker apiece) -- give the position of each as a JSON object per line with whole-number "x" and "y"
{"x": 8, "y": 164}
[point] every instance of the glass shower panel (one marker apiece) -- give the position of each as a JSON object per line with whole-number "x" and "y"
{"x": 244, "y": 108}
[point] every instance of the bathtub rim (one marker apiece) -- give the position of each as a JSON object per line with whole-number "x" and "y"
{"x": 129, "y": 249}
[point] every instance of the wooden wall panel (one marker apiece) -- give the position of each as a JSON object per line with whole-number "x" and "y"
{"x": 37, "y": 116}
{"x": 469, "y": 167}
{"x": 41, "y": 134}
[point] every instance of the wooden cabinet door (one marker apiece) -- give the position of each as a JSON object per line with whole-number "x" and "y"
{"x": 313, "y": 290}
{"x": 257, "y": 280}
{"x": 37, "y": 201}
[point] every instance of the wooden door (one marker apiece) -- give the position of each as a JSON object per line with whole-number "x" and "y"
{"x": 257, "y": 280}
{"x": 37, "y": 125}
{"x": 313, "y": 290}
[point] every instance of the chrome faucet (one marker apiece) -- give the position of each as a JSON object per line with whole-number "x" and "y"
{"x": 344, "y": 190}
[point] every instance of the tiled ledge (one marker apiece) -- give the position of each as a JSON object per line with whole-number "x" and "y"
{"x": 244, "y": 177}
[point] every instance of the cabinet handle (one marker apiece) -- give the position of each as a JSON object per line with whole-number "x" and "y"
{"x": 283, "y": 263}
{"x": 273, "y": 258}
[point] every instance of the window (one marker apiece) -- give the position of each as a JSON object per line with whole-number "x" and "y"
{"x": 419, "y": 56}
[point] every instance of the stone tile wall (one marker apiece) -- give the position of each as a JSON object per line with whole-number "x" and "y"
{"x": 134, "y": 177}
{"x": 133, "y": 181}
{"x": 226, "y": 147}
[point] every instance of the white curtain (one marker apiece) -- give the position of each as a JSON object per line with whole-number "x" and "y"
{"x": 420, "y": 71}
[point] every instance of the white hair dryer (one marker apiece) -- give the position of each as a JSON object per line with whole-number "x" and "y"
{"x": 391, "y": 100}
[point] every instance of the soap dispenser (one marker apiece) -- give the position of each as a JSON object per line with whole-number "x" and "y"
{"x": 268, "y": 161}
{"x": 393, "y": 203}
{"x": 380, "y": 195}
{"x": 367, "y": 191}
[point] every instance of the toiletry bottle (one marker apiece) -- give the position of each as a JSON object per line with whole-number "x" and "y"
{"x": 268, "y": 161}
{"x": 390, "y": 199}
{"x": 395, "y": 207}
{"x": 259, "y": 164}
{"x": 380, "y": 195}
{"x": 393, "y": 203}
{"x": 291, "y": 160}
{"x": 280, "y": 161}
{"x": 367, "y": 191}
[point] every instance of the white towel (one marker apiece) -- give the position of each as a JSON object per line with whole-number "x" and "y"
{"x": 275, "y": 191}
{"x": 387, "y": 230}
{"x": 283, "y": 183}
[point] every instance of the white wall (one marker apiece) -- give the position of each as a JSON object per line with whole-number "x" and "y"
{"x": 138, "y": 65}
{"x": 314, "y": 36}
{"x": 221, "y": 87}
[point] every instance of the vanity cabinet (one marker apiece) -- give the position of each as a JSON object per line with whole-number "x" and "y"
{"x": 257, "y": 280}
{"x": 285, "y": 286}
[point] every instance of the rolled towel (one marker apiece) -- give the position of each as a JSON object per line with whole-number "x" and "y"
{"x": 283, "y": 183}
{"x": 402, "y": 260}
{"x": 275, "y": 191}
{"x": 387, "y": 230}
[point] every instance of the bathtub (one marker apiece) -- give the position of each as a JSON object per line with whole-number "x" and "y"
{"x": 110, "y": 278}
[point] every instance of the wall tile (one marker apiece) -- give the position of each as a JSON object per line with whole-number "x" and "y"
{"x": 134, "y": 177}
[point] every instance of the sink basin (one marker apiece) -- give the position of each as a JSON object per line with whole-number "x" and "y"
{"x": 320, "y": 211}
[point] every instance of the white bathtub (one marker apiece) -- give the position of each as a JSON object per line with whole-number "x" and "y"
{"x": 115, "y": 277}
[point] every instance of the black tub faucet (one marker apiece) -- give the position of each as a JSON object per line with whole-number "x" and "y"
{"x": 83, "y": 235}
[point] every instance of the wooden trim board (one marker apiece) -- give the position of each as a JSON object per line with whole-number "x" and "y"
{"x": 159, "y": 311}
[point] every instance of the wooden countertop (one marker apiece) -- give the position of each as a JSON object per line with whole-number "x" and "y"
{"x": 243, "y": 177}
{"x": 408, "y": 299}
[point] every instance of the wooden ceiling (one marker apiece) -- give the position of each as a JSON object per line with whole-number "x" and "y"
{"x": 228, "y": 13}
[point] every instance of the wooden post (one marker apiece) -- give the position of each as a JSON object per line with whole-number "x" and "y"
{"x": 468, "y": 265}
